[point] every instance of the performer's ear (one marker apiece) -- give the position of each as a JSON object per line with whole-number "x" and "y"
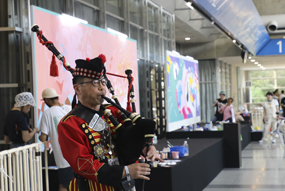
{"x": 76, "y": 88}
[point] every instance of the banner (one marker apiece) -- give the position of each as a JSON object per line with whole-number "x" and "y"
{"x": 78, "y": 41}
{"x": 240, "y": 19}
{"x": 183, "y": 98}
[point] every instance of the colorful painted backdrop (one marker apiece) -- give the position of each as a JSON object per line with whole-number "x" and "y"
{"x": 78, "y": 41}
{"x": 183, "y": 99}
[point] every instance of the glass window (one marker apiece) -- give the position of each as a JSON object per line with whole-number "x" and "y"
{"x": 153, "y": 47}
{"x": 281, "y": 83}
{"x": 115, "y": 23}
{"x": 135, "y": 7}
{"x": 137, "y": 34}
{"x": 93, "y": 2}
{"x": 263, "y": 83}
{"x": 166, "y": 25}
{"x": 115, "y": 7}
{"x": 86, "y": 13}
{"x": 280, "y": 73}
{"x": 262, "y": 74}
{"x": 10, "y": 57}
{"x": 52, "y": 5}
{"x": 152, "y": 18}
{"x": 260, "y": 93}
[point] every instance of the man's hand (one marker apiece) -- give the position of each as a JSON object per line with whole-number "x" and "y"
{"x": 151, "y": 154}
{"x": 138, "y": 171}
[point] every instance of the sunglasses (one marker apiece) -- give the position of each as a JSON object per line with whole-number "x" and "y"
{"x": 96, "y": 82}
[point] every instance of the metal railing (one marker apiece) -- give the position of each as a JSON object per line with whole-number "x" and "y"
{"x": 21, "y": 168}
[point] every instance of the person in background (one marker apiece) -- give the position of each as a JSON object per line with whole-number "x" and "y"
{"x": 17, "y": 129}
{"x": 282, "y": 103}
{"x": 48, "y": 127}
{"x": 218, "y": 104}
{"x": 282, "y": 95}
{"x": 276, "y": 95}
{"x": 228, "y": 111}
{"x": 270, "y": 107}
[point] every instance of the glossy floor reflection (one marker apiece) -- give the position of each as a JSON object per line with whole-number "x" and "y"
{"x": 263, "y": 169}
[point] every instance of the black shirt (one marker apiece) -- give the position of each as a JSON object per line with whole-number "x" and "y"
{"x": 218, "y": 115}
{"x": 16, "y": 122}
{"x": 283, "y": 101}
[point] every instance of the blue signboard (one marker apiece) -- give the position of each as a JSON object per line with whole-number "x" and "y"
{"x": 274, "y": 47}
{"x": 240, "y": 19}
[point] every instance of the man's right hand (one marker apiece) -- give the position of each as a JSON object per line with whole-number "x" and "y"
{"x": 139, "y": 171}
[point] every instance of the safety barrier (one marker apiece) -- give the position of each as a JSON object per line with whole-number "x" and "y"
{"x": 21, "y": 168}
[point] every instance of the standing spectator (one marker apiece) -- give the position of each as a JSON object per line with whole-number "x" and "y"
{"x": 282, "y": 95}
{"x": 276, "y": 95}
{"x": 17, "y": 128}
{"x": 270, "y": 107}
{"x": 282, "y": 102}
{"x": 48, "y": 127}
{"x": 228, "y": 111}
{"x": 218, "y": 104}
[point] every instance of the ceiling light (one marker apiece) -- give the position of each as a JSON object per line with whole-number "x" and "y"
{"x": 189, "y": 4}
{"x": 187, "y": 38}
{"x": 234, "y": 41}
{"x": 252, "y": 60}
{"x": 255, "y": 62}
{"x": 212, "y": 22}
{"x": 258, "y": 64}
{"x": 249, "y": 57}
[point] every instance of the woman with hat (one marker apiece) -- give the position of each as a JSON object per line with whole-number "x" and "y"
{"x": 17, "y": 129}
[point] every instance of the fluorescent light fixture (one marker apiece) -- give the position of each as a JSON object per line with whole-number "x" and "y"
{"x": 255, "y": 62}
{"x": 234, "y": 41}
{"x": 187, "y": 38}
{"x": 175, "y": 52}
{"x": 122, "y": 35}
{"x": 249, "y": 57}
{"x": 263, "y": 68}
{"x": 68, "y": 18}
{"x": 189, "y": 4}
{"x": 258, "y": 64}
{"x": 252, "y": 60}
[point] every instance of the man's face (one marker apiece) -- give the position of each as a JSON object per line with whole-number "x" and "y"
{"x": 89, "y": 94}
{"x": 269, "y": 97}
{"x": 222, "y": 96}
{"x": 47, "y": 102}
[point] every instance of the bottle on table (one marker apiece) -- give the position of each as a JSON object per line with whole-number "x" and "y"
{"x": 186, "y": 148}
{"x": 211, "y": 125}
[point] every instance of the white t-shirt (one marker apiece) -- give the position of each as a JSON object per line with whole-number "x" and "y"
{"x": 270, "y": 108}
{"x": 50, "y": 119}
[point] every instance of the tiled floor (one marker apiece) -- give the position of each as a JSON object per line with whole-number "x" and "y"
{"x": 263, "y": 169}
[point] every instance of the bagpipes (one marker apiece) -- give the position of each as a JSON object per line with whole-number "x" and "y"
{"x": 135, "y": 133}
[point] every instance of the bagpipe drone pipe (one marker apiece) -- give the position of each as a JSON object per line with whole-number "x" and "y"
{"x": 135, "y": 133}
